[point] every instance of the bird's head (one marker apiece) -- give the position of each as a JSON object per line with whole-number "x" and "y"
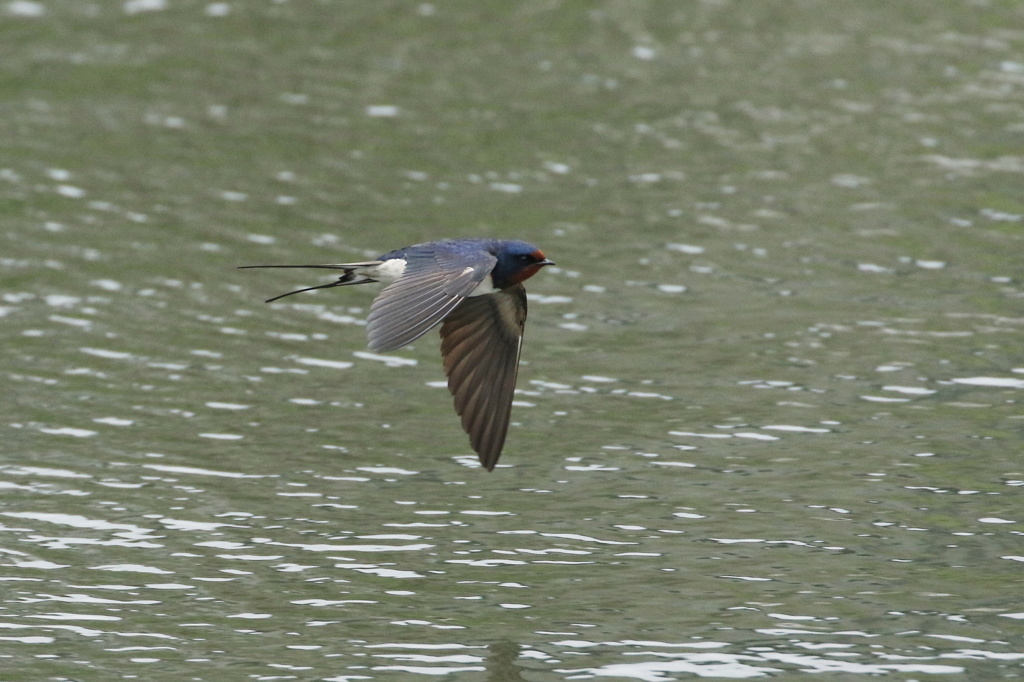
{"x": 517, "y": 262}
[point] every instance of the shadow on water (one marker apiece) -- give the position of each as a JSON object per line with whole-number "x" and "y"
{"x": 501, "y": 662}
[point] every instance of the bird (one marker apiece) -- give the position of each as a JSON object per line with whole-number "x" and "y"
{"x": 474, "y": 289}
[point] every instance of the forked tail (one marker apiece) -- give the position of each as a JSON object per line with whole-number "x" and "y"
{"x": 350, "y": 277}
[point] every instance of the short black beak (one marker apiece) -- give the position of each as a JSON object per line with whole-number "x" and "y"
{"x": 547, "y": 262}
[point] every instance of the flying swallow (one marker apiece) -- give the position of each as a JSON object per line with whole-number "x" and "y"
{"x": 474, "y": 288}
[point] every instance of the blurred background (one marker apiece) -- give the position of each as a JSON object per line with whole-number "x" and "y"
{"x": 768, "y": 418}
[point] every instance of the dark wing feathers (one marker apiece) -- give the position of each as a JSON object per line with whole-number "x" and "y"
{"x": 434, "y": 282}
{"x": 480, "y": 342}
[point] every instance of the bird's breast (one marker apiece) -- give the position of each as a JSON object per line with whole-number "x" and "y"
{"x": 485, "y": 287}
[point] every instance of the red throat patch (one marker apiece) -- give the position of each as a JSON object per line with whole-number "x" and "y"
{"x": 530, "y": 270}
{"x": 525, "y": 274}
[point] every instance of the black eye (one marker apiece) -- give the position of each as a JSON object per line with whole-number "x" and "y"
{"x": 524, "y": 258}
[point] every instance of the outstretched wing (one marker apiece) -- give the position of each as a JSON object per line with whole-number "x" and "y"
{"x": 435, "y": 280}
{"x": 480, "y": 343}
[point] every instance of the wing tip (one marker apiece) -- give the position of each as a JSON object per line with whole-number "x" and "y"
{"x": 487, "y": 441}
{"x": 489, "y": 460}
